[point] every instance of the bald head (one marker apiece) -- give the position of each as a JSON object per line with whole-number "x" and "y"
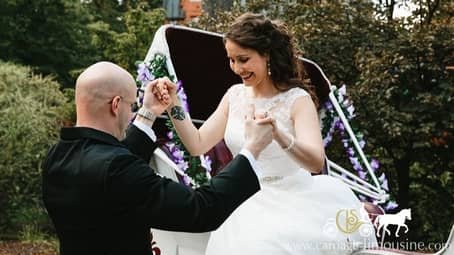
{"x": 95, "y": 87}
{"x": 101, "y": 81}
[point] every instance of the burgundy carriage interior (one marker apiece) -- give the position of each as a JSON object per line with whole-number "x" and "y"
{"x": 201, "y": 63}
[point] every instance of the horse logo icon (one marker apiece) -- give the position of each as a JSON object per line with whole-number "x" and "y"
{"x": 392, "y": 219}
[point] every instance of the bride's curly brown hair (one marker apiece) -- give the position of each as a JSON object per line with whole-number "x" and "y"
{"x": 272, "y": 38}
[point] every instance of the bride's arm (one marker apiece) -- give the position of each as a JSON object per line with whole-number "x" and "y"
{"x": 307, "y": 145}
{"x": 199, "y": 141}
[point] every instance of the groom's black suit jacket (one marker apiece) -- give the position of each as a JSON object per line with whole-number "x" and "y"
{"x": 103, "y": 197}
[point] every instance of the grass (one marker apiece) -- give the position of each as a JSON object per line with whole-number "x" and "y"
{"x": 43, "y": 247}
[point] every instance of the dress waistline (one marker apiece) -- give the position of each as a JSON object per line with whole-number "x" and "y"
{"x": 300, "y": 178}
{"x": 270, "y": 179}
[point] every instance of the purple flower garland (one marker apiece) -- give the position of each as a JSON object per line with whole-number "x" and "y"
{"x": 334, "y": 123}
{"x": 157, "y": 68}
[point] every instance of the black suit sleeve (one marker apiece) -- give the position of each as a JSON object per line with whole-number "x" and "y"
{"x": 139, "y": 143}
{"x": 136, "y": 192}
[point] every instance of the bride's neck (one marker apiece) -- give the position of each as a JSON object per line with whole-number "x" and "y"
{"x": 265, "y": 90}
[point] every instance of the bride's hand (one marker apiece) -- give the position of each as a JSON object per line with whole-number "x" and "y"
{"x": 267, "y": 118}
{"x": 160, "y": 91}
{"x": 171, "y": 88}
{"x": 257, "y": 132}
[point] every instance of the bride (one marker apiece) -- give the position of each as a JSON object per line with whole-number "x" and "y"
{"x": 294, "y": 212}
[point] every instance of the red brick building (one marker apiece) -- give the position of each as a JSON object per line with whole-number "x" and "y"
{"x": 191, "y": 9}
{"x": 182, "y": 10}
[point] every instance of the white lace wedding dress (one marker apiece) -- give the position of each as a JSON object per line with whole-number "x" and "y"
{"x": 294, "y": 212}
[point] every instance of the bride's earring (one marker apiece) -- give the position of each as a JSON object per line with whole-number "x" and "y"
{"x": 269, "y": 68}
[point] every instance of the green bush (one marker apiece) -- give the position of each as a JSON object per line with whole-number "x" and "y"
{"x": 32, "y": 108}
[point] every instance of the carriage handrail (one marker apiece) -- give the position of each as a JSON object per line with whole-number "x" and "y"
{"x": 356, "y": 187}
{"x": 346, "y": 172}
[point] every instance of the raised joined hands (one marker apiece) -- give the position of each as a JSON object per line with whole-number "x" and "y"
{"x": 166, "y": 91}
{"x": 259, "y": 127}
{"x": 258, "y": 131}
{"x": 156, "y": 97}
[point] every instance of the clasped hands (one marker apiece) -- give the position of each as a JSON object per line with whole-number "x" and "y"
{"x": 161, "y": 95}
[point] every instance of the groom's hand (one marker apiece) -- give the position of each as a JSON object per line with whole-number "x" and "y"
{"x": 156, "y": 98}
{"x": 258, "y": 132}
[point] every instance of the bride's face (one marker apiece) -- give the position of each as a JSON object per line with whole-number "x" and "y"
{"x": 247, "y": 63}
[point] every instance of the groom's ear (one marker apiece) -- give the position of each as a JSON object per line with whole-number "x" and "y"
{"x": 115, "y": 105}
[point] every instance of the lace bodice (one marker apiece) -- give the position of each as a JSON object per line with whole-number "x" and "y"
{"x": 273, "y": 161}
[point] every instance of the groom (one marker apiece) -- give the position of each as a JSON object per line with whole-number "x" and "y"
{"x": 98, "y": 188}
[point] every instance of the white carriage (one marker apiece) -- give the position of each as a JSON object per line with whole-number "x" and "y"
{"x": 198, "y": 58}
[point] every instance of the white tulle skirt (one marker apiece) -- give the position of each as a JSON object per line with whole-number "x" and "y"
{"x": 296, "y": 214}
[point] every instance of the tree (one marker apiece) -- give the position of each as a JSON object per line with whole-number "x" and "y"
{"x": 131, "y": 44}
{"x": 405, "y": 85}
{"x": 48, "y": 35}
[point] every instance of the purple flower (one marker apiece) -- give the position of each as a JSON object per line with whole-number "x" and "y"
{"x": 177, "y": 154}
{"x": 179, "y": 85}
{"x": 351, "y": 110}
{"x": 143, "y": 73}
{"x": 355, "y": 163}
{"x": 182, "y": 95}
{"x": 340, "y": 125}
{"x": 342, "y": 91}
{"x": 391, "y": 205}
{"x": 346, "y": 102}
{"x": 186, "y": 180}
{"x": 345, "y": 143}
{"x": 384, "y": 185}
{"x": 328, "y": 106}
{"x": 327, "y": 140}
{"x": 183, "y": 165}
{"x": 362, "y": 143}
{"x": 170, "y": 135}
{"x": 362, "y": 175}
{"x": 384, "y": 182}
{"x": 170, "y": 146}
{"x": 350, "y": 152}
{"x": 205, "y": 162}
{"x": 329, "y": 135}
{"x": 374, "y": 164}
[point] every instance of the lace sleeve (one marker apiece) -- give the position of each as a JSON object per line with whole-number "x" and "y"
{"x": 293, "y": 94}
{"x": 233, "y": 91}
{"x": 235, "y": 97}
